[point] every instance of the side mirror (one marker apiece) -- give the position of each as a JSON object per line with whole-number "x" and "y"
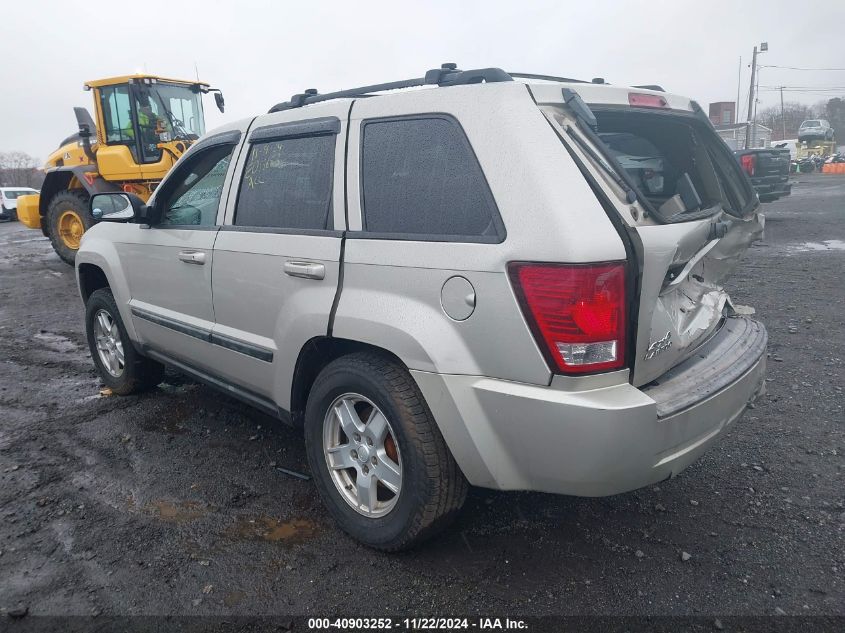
{"x": 117, "y": 207}
{"x": 218, "y": 99}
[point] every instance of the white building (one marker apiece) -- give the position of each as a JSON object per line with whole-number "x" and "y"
{"x": 734, "y": 135}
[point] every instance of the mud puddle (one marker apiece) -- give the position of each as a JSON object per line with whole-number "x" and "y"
{"x": 176, "y": 511}
{"x": 272, "y": 530}
{"x": 826, "y": 245}
{"x": 56, "y": 342}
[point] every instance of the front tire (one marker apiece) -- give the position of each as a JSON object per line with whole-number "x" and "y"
{"x": 377, "y": 457}
{"x": 68, "y": 218}
{"x": 120, "y": 366}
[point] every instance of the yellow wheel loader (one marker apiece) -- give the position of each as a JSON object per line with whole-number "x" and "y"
{"x": 142, "y": 124}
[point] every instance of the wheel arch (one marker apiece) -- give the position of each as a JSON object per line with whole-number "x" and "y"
{"x": 98, "y": 262}
{"x": 62, "y": 179}
{"x": 55, "y": 181}
{"x": 314, "y": 356}
{"x": 91, "y": 278}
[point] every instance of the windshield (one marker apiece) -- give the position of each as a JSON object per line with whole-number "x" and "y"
{"x": 12, "y": 195}
{"x": 811, "y": 124}
{"x": 177, "y": 106}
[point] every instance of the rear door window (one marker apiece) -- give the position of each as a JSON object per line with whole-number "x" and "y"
{"x": 287, "y": 184}
{"x": 422, "y": 181}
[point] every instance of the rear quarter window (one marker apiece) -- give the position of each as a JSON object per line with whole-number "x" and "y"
{"x": 421, "y": 180}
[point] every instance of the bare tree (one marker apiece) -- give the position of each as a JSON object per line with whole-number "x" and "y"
{"x": 19, "y": 169}
{"x": 834, "y": 111}
{"x": 793, "y": 115}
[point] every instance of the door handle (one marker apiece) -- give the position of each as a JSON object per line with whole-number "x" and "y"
{"x": 306, "y": 270}
{"x": 192, "y": 257}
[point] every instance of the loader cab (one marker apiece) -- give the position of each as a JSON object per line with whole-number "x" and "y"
{"x": 145, "y": 123}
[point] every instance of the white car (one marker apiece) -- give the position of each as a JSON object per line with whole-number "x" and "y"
{"x": 9, "y": 201}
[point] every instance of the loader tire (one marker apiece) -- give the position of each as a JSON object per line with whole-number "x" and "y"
{"x": 68, "y": 218}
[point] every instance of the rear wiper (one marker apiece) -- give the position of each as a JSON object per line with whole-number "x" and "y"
{"x": 582, "y": 111}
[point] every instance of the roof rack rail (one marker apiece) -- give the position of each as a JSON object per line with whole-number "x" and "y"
{"x": 547, "y": 78}
{"x": 446, "y": 75}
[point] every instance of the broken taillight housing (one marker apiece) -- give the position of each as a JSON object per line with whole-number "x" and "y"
{"x": 576, "y": 313}
{"x": 748, "y": 162}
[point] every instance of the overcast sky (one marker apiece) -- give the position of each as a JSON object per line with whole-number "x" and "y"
{"x": 260, "y": 53}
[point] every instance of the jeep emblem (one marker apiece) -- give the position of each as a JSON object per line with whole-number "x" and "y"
{"x": 660, "y": 345}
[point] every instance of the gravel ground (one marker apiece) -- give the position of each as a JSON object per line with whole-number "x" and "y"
{"x": 173, "y": 502}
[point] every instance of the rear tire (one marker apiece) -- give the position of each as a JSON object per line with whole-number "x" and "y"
{"x": 68, "y": 218}
{"x": 121, "y": 367}
{"x": 431, "y": 487}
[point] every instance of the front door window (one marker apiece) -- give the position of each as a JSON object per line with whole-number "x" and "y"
{"x": 193, "y": 198}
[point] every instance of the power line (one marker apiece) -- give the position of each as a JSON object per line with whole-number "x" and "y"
{"x": 785, "y": 87}
{"x": 809, "y": 69}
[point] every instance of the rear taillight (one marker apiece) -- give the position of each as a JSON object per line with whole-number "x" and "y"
{"x": 646, "y": 101}
{"x": 748, "y": 162}
{"x": 576, "y": 312}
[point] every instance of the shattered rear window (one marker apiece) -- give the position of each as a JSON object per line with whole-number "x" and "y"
{"x": 676, "y": 163}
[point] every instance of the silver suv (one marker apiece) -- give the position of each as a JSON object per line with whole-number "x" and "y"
{"x": 815, "y": 130}
{"x": 449, "y": 285}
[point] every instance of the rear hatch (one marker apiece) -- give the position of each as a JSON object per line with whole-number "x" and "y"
{"x": 678, "y": 197}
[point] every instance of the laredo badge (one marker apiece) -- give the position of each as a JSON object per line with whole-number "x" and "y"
{"x": 660, "y": 345}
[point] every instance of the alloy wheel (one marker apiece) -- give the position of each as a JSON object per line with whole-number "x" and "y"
{"x": 362, "y": 455}
{"x": 109, "y": 345}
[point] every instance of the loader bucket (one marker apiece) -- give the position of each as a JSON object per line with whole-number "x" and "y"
{"x": 28, "y": 211}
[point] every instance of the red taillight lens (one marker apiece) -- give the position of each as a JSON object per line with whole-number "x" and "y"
{"x": 646, "y": 101}
{"x": 748, "y": 162}
{"x": 577, "y": 313}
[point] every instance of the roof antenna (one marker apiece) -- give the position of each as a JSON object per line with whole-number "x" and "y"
{"x": 196, "y": 71}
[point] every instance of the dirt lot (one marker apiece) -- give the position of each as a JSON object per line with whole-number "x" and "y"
{"x": 173, "y": 503}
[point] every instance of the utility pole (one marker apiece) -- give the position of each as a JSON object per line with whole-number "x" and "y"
{"x": 782, "y": 116}
{"x": 750, "y": 99}
{"x": 763, "y": 48}
{"x": 754, "y": 120}
{"x": 738, "y": 82}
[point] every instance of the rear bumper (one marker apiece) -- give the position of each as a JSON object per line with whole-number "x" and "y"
{"x": 603, "y": 441}
{"x": 772, "y": 186}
